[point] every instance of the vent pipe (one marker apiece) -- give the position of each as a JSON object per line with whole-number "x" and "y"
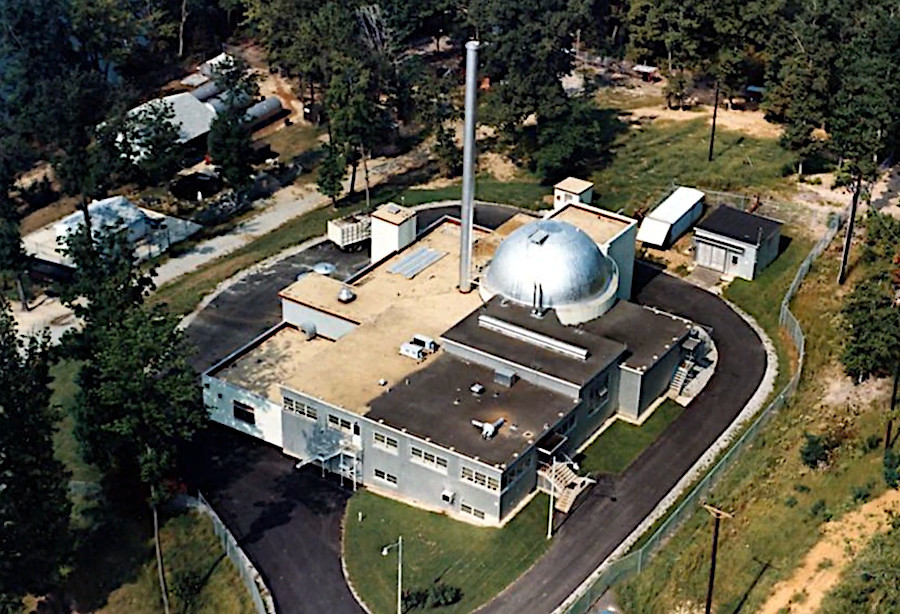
{"x": 468, "y": 185}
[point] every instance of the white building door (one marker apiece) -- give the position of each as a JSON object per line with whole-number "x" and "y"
{"x": 711, "y": 256}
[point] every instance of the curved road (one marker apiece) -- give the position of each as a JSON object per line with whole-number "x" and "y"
{"x": 289, "y": 521}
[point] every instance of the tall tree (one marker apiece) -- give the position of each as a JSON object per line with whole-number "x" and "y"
{"x": 152, "y": 130}
{"x": 527, "y": 52}
{"x": 34, "y": 507}
{"x": 230, "y": 146}
{"x": 332, "y": 170}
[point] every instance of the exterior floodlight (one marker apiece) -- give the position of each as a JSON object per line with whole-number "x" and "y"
{"x": 384, "y": 551}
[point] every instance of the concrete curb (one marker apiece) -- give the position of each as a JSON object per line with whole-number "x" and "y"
{"x": 753, "y": 406}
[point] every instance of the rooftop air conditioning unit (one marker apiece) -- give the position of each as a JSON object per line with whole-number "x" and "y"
{"x": 429, "y": 344}
{"x": 411, "y": 350}
{"x": 448, "y": 496}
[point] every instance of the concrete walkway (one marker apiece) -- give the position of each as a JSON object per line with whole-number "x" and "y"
{"x": 285, "y": 205}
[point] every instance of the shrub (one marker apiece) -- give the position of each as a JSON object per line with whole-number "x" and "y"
{"x": 815, "y": 451}
{"x": 790, "y": 501}
{"x": 801, "y": 487}
{"x": 414, "y": 599}
{"x": 891, "y": 468}
{"x": 862, "y": 493}
{"x": 873, "y": 442}
{"x": 817, "y": 508}
{"x": 443, "y": 594}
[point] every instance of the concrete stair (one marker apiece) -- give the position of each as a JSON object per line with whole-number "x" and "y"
{"x": 567, "y": 485}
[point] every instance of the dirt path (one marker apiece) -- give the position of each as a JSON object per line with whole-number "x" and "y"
{"x": 821, "y": 569}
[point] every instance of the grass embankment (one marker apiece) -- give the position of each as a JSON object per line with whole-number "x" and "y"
{"x": 778, "y": 503}
{"x": 292, "y": 141}
{"x": 617, "y": 447}
{"x": 525, "y": 192}
{"x": 113, "y": 567}
{"x": 647, "y": 159}
{"x": 479, "y": 561}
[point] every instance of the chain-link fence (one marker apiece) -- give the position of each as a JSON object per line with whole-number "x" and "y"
{"x": 633, "y": 562}
{"x": 259, "y": 592}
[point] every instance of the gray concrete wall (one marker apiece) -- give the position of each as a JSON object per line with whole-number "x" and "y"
{"x": 621, "y": 250}
{"x": 767, "y": 252}
{"x": 327, "y": 325}
{"x": 629, "y": 397}
{"x": 492, "y": 362}
{"x": 655, "y": 381}
{"x": 417, "y": 482}
{"x": 520, "y": 488}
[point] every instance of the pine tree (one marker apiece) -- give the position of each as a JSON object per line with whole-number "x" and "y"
{"x": 34, "y": 508}
{"x": 332, "y": 170}
{"x": 231, "y": 147}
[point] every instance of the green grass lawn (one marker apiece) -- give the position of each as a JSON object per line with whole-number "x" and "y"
{"x": 292, "y": 141}
{"x": 480, "y": 561}
{"x": 621, "y": 443}
{"x": 201, "y": 579}
{"x": 646, "y": 160}
{"x": 524, "y": 193}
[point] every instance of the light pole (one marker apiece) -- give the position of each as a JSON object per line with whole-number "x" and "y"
{"x": 384, "y": 552}
{"x": 550, "y": 512}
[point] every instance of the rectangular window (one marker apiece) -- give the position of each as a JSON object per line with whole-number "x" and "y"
{"x": 340, "y": 424}
{"x": 385, "y": 443}
{"x": 432, "y": 461}
{"x": 244, "y": 412}
{"x": 384, "y": 476}
{"x": 480, "y": 479}
{"x": 300, "y": 408}
{"x": 465, "y": 508}
{"x": 601, "y": 396}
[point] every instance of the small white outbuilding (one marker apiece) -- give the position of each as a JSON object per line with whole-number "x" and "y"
{"x": 572, "y": 190}
{"x": 672, "y": 217}
{"x": 736, "y": 243}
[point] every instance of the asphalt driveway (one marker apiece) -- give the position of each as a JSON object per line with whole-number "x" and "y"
{"x": 610, "y": 513}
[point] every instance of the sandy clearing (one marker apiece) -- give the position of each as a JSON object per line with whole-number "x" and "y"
{"x": 821, "y": 569}
{"x": 751, "y": 123}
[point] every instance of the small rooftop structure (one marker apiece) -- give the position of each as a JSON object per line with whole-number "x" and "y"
{"x": 736, "y": 243}
{"x": 672, "y": 217}
{"x": 572, "y": 190}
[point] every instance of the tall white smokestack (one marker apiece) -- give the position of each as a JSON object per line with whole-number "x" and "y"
{"x": 468, "y": 185}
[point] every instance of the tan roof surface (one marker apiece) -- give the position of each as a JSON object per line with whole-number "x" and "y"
{"x": 390, "y": 309}
{"x": 573, "y": 185}
{"x": 279, "y": 358}
{"x": 393, "y": 213}
{"x": 600, "y": 225}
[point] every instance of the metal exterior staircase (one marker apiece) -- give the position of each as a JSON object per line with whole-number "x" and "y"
{"x": 567, "y": 485}
{"x": 681, "y": 376}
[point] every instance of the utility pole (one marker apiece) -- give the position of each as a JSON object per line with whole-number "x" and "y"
{"x": 842, "y": 274}
{"x": 890, "y": 422}
{"x": 718, "y": 515}
{"x": 712, "y": 134}
{"x": 550, "y": 512}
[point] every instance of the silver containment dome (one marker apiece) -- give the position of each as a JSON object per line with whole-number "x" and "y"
{"x": 549, "y": 264}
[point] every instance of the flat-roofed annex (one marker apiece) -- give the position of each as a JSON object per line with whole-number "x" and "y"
{"x": 602, "y": 226}
{"x": 389, "y": 309}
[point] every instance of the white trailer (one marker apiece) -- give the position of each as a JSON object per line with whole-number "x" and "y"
{"x": 350, "y": 232}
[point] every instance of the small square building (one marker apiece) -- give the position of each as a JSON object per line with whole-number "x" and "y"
{"x": 736, "y": 243}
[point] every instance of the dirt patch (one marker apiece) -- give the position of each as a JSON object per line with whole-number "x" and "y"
{"x": 500, "y": 167}
{"x": 840, "y": 390}
{"x": 751, "y": 123}
{"x": 821, "y": 569}
{"x": 47, "y": 215}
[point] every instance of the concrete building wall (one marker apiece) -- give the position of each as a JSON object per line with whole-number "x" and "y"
{"x": 728, "y": 256}
{"x": 219, "y": 398}
{"x": 621, "y": 250}
{"x": 492, "y": 362}
{"x": 767, "y": 252}
{"x": 655, "y": 381}
{"x": 394, "y": 463}
{"x": 629, "y": 392}
{"x": 327, "y": 325}
{"x": 519, "y": 487}
{"x": 388, "y": 237}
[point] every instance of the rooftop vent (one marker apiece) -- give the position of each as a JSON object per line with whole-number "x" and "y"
{"x": 477, "y": 388}
{"x": 538, "y": 236}
{"x": 308, "y": 329}
{"x": 426, "y": 343}
{"x": 505, "y": 377}
{"x": 346, "y": 295}
{"x": 488, "y": 429}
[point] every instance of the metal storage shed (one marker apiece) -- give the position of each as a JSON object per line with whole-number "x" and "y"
{"x": 114, "y": 212}
{"x": 672, "y": 217}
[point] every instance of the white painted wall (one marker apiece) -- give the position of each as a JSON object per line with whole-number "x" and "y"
{"x": 388, "y": 238}
{"x": 219, "y": 397}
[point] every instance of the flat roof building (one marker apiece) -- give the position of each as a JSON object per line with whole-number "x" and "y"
{"x": 736, "y": 243}
{"x": 450, "y": 401}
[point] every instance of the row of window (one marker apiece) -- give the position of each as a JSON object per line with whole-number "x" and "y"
{"x": 465, "y": 508}
{"x": 432, "y": 461}
{"x": 479, "y": 479}
{"x": 301, "y": 409}
{"x": 386, "y": 477}
{"x": 340, "y": 424}
{"x": 386, "y": 443}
